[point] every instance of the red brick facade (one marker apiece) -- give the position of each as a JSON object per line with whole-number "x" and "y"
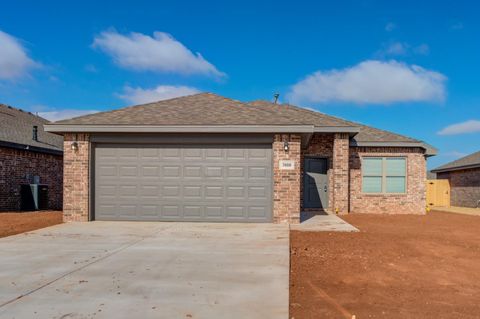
{"x": 286, "y": 183}
{"x": 412, "y": 202}
{"x": 344, "y": 176}
{"x": 464, "y": 186}
{"x": 19, "y": 166}
{"x": 345, "y": 181}
{"x": 76, "y": 178}
{"x": 340, "y": 189}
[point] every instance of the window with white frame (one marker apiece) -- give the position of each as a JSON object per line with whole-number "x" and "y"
{"x": 384, "y": 175}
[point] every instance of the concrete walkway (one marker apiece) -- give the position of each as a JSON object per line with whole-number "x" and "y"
{"x": 146, "y": 270}
{"x": 329, "y": 223}
{"x": 458, "y": 210}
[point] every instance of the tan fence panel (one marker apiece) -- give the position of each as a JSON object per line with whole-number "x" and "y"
{"x": 438, "y": 192}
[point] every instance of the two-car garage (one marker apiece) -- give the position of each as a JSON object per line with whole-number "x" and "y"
{"x": 217, "y": 179}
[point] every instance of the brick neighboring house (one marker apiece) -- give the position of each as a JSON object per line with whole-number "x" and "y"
{"x": 204, "y": 157}
{"x": 464, "y": 178}
{"x": 26, "y": 150}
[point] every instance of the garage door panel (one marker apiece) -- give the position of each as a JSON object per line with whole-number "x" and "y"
{"x": 192, "y": 171}
{"x": 171, "y": 211}
{"x": 170, "y": 153}
{"x": 150, "y": 171}
{"x": 212, "y": 172}
{"x": 191, "y": 183}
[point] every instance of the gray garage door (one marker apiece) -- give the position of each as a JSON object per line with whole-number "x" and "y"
{"x": 183, "y": 183}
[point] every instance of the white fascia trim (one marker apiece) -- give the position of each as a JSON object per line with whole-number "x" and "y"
{"x": 64, "y": 128}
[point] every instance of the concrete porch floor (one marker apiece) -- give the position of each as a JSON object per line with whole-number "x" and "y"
{"x": 322, "y": 222}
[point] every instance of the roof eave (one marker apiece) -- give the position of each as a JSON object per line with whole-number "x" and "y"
{"x": 429, "y": 150}
{"x": 351, "y": 130}
{"x": 457, "y": 168}
{"x": 75, "y": 128}
{"x": 31, "y": 148}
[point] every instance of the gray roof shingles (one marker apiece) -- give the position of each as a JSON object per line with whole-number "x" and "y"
{"x": 472, "y": 160}
{"x": 16, "y": 128}
{"x": 212, "y": 109}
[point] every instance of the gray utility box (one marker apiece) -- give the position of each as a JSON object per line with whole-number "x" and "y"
{"x": 34, "y": 197}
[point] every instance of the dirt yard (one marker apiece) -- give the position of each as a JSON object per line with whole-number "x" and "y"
{"x": 20, "y": 222}
{"x": 400, "y": 266}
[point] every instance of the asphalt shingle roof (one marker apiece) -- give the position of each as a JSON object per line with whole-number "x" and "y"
{"x": 471, "y": 160}
{"x": 212, "y": 109}
{"x": 16, "y": 126}
{"x": 366, "y": 134}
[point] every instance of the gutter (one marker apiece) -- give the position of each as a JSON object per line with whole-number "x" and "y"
{"x": 30, "y": 148}
{"x": 458, "y": 168}
{"x": 64, "y": 128}
{"x": 75, "y": 128}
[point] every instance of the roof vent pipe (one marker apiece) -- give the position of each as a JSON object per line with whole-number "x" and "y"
{"x": 35, "y": 133}
{"x": 275, "y": 98}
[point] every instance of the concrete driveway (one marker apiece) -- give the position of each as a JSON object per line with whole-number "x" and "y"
{"x": 146, "y": 270}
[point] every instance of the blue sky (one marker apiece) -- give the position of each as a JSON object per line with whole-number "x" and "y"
{"x": 404, "y": 66}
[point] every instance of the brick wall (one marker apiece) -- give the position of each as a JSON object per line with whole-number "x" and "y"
{"x": 286, "y": 183}
{"x": 15, "y": 167}
{"x": 413, "y": 202}
{"x": 76, "y": 178}
{"x": 341, "y": 145}
{"x": 464, "y": 186}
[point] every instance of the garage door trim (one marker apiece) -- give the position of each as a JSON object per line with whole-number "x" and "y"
{"x": 174, "y": 138}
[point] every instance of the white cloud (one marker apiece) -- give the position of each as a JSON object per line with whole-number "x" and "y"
{"x": 470, "y": 126}
{"x": 389, "y": 27}
{"x": 402, "y": 49}
{"x": 14, "y": 60}
{"x": 160, "y": 53}
{"x": 457, "y": 26}
{"x": 373, "y": 82}
{"x": 422, "y": 49}
{"x": 161, "y": 92}
{"x": 64, "y": 114}
{"x": 397, "y": 48}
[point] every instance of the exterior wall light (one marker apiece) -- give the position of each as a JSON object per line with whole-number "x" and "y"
{"x": 286, "y": 146}
{"x": 74, "y": 146}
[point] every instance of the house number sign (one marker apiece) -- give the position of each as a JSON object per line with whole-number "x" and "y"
{"x": 287, "y": 164}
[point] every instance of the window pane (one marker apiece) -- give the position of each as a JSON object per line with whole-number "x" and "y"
{"x": 372, "y": 184}
{"x": 372, "y": 166}
{"x": 395, "y": 184}
{"x": 396, "y": 167}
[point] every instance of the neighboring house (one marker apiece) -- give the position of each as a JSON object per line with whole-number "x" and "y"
{"x": 464, "y": 178}
{"x": 204, "y": 157}
{"x": 27, "y": 151}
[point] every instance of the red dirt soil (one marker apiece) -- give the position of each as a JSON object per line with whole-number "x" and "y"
{"x": 397, "y": 266}
{"x": 12, "y": 223}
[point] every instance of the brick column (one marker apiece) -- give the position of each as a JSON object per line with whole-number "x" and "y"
{"x": 286, "y": 182}
{"x": 340, "y": 173}
{"x": 76, "y": 178}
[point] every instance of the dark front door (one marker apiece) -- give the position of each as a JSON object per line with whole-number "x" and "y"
{"x": 315, "y": 183}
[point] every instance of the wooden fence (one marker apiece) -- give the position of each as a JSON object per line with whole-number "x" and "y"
{"x": 438, "y": 192}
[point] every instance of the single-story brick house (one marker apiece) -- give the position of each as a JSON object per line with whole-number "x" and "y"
{"x": 464, "y": 178}
{"x": 27, "y": 153}
{"x": 204, "y": 157}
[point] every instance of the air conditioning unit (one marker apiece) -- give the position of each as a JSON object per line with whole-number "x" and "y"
{"x": 33, "y": 197}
